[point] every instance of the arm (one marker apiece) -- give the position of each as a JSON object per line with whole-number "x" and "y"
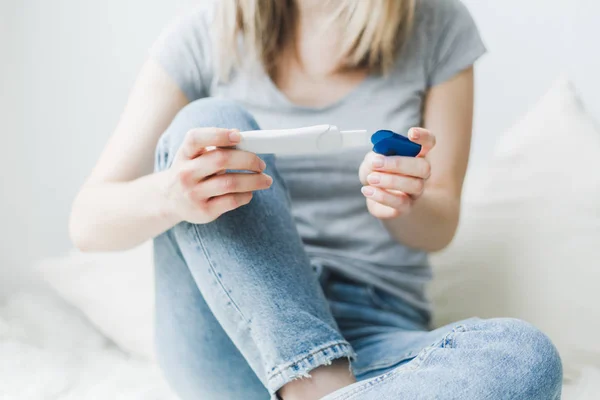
{"x": 123, "y": 203}
{"x": 419, "y": 199}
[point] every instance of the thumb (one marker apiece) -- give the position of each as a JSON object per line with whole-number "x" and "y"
{"x": 423, "y": 137}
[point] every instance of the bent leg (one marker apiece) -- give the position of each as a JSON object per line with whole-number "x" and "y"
{"x": 251, "y": 268}
{"x": 476, "y": 359}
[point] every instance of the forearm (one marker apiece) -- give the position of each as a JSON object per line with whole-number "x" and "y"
{"x": 120, "y": 215}
{"x": 431, "y": 224}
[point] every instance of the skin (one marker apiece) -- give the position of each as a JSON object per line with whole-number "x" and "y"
{"x": 418, "y": 199}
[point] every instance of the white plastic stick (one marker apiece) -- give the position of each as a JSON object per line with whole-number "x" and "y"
{"x": 309, "y": 140}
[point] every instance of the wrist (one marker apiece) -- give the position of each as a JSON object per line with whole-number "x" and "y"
{"x": 167, "y": 211}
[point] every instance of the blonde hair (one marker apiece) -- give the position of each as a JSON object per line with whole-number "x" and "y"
{"x": 374, "y": 32}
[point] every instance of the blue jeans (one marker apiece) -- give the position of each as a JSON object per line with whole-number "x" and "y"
{"x": 241, "y": 311}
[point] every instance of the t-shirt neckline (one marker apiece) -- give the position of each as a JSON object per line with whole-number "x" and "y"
{"x": 282, "y": 98}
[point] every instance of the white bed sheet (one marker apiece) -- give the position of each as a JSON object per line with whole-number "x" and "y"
{"x": 49, "y": 351}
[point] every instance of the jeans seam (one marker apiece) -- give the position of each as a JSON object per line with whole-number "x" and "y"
{"x": 449, "y": 339}
{"x": 386, "y": 363}
{"x": 216, "y": 275}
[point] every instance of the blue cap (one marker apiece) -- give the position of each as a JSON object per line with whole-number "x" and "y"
{"x": 389, "y": 143}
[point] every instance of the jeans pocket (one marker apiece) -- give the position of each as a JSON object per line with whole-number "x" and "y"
{"x": 349, "y": 293}
{"x": 388, "y": 302}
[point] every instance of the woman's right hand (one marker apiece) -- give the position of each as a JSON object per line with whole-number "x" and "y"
{"x": 198, "y": 190}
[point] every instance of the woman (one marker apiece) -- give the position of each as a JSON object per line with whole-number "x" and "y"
{"x": 305, "y": 278}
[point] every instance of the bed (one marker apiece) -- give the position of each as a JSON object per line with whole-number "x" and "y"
{"x": 49, "y": 351}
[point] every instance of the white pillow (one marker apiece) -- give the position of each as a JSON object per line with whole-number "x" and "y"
{"x": 115, "y": 291}
{"x": 528, "y": 245}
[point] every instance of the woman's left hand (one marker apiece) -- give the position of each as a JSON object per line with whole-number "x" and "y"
{"x": 392, "y": 184}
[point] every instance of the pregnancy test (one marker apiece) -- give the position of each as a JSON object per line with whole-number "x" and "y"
{"x": 325, "y": 139}
{"x": 309, "y": 140}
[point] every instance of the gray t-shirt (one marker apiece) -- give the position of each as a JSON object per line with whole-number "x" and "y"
{"x": 328, "y": 206}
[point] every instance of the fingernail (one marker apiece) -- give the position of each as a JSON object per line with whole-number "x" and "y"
{"x": 234, "y": 136}
{"x": 269, "y": 179}
{"x": 374, "y": 179}
{"x": 414, "y": 133}
{"x": 378, "y": 162}
{"x": 368, "y": 191}
{"x": 263, "y": 165}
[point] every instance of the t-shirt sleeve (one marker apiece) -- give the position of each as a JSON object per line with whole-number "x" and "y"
{"x": 455, "y": 42}
{"x": 184, "y": 51}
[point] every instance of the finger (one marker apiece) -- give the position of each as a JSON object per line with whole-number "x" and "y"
{"x": 229, "y": 202}
{"x": 417, "y": 167}
{"x": 407, "y": 184}
{"x": 364, "y": 170}
{"x": 197, "y": 140}
{"x": 397, "y": 201}
{"x": 215, "y": 161}
{"x": 232, "y": 183}
{"x": 423, "y": 137}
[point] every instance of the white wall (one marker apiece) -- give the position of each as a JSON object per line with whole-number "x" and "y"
{"x": 531, "y": 43}
{"x": 13, "y": 173}
{"x": 67, "y": 66}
